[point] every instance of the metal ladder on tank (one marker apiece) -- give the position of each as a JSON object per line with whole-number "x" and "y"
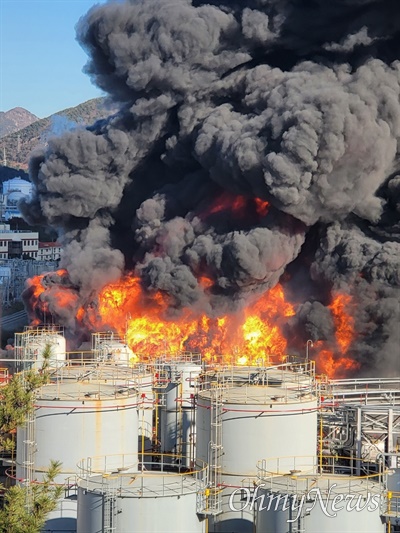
{"x": 214, "y": 492}
{"x": 29, "y": 459}
{"x": 109, "y": 508}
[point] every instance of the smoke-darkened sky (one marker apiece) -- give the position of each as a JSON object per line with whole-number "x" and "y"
{"x": 291, "y": 103}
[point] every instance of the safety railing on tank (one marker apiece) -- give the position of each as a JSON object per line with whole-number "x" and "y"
{"x": 99, "y": 382}
{"x": 4, "y": 376}
{"x": 366, "y": 390}
{"x": 146, "y": 475}
{"x": 334, "y": 474}
{"x": 390, "y": 504}
{"x": 292, "y": 377}
{"x": 42, "y": 329}
{"x": 178, "y": 357}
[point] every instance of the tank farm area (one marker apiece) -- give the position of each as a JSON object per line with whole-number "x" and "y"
{"x": 223, "y": 327}
{"x": 184, "y": 442}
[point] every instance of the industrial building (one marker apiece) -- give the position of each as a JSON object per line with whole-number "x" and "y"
{"x": 15, "y": 272}
{"x": 49, "y": 251}
{"x": 176, "y": 445}
{"x": 18, "y": 243}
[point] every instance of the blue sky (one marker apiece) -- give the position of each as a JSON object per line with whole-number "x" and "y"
{"x": 40, "y": 60}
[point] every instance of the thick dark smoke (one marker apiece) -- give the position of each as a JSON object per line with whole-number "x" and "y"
{"x": 290, "y": 102}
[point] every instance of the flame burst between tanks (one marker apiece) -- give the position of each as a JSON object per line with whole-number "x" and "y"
{"x": 253, "y": 336}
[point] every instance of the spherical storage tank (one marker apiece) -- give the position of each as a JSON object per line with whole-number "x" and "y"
{"x": 312, "y": 502}
{"x": 160, "y": 498}
{"x": 252, "y": 421}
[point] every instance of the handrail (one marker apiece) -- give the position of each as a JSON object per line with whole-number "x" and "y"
{"x": 311, "y": 465}
{"x": 134, "y": 475}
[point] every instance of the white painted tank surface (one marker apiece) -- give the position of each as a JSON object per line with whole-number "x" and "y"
{"x": 292, "y": 375}
{"x": 63, "y": 518}
{"x": 160, "y": 498}
{"x": 327, "y": 499}
{"x": 252, "y": 421}
{"x": 85, "y": 411}
{"x": 31, "y": 344}
{"x": 176, "y": 394}
{"x": 143, "y": 381}
{"x": 117, "y": 352}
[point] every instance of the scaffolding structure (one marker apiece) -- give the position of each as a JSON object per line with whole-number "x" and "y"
{"x": 15, "y": 272}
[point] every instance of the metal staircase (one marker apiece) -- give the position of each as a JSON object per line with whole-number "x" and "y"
{"x": 213, "y": 500}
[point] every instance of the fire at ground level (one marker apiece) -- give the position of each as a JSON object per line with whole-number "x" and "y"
{"x": 254, "y": 335}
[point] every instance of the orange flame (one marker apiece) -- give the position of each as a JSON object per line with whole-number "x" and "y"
{"x": 247, "y": 337}
{"x": 337, "y": 364}
{"x": 240, "y": 207}
{"x": 253, "y": 335}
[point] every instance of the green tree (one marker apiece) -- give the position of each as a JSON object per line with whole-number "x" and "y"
{"x": 18, "y": 517}
{"x": 17, "y": 398}
{"x": 25, "y": 508}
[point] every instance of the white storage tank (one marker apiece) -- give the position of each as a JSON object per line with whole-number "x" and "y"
{"x": 75, "y": 418}
{"x": 176, "y": 395}
{"x": 31, "y": 344}
{"x": 248, "y": 422}
{"x": 117, "y": 352}
{"x": 160, "y": 498}
{"x": 144, "y": 382}
{"x": 328, "y": 499}
{"x": 63, "y": 518}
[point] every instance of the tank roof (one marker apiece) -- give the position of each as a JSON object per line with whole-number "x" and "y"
{"x": 160, "y": 476}
{"x": 259, "y": 395}
{"x": 328, "y": 484}
{"x": 94, "y": 382}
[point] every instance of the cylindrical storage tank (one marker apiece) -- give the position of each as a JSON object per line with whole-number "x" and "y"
{"x": 116, "y": 352}
{"x": 76, "y": 419}
{"x": 37, "y": 341}
{"x": 313, "y": 502}
{"x": 63, "y": 518}
{"x": 19, "y": 185}
{"x": 177, "y": 413}
{"x": 159, "y": 498}
{"x": 144, "y": 384}
{"x": 251, "y": 421}
{"x": 57, "y": 346}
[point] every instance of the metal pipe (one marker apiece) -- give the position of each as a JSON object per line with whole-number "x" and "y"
{"x": 309, "y": 344}
{"x": 358, "y": 442}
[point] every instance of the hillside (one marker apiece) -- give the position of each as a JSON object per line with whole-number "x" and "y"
{"x": 14, "y": 120}
{"x": 7, "y": 173}
{"x": 38, "y": 133}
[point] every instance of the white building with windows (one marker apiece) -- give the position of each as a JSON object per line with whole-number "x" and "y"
{"x": 18, "y": 243}
{"x": 49, "y": 251}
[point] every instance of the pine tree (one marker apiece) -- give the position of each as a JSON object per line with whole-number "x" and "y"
{"x": 17, "y": 517}
{"x": 19, "y": 513}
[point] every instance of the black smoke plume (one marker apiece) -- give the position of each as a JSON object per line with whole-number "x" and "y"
{"x": 290, "y": 102}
